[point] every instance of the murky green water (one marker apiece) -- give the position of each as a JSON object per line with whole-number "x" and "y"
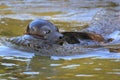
{"x": 68, "y": 15}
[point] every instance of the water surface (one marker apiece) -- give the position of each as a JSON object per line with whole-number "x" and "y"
{"x": 68, "y": 15}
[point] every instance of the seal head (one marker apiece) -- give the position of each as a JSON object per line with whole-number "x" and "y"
{"x": 43, "y": 29}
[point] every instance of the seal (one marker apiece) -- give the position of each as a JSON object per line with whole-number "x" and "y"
{"x": 43, "y": 38}
{"x": 43, "y": 33}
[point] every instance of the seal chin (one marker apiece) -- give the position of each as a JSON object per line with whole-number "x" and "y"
{"x": 61, "y": 43}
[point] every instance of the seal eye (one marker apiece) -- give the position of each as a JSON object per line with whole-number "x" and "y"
{"x": 47, "y": 32}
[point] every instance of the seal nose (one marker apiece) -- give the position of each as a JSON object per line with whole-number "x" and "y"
{"x": 61, "y": 37}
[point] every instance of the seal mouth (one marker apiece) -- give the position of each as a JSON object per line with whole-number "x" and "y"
{"x": 60, "y": 42}
{"x": 38, "y": 36}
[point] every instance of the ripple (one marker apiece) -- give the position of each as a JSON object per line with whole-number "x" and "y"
{"x": 9, "y": 52}
{"x": 116, "y": 69}
{"x": 118, "y": 73}
{"x": 84, "y": 75}
{"x": 97, "y": 54}
{"x": 88, "y": 63}
{"x": 73, "y": 66}
{"x": 55, "y": 64}
{"x": 31, "y": 73}
{"x": 97, "y": 69}
{"x": 8, "y": 64}
{"x": 19, "y": 16}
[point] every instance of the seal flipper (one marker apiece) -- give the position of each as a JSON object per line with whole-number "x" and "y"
{"x": 70, "y": 37}
{"x": 73, "y": 37}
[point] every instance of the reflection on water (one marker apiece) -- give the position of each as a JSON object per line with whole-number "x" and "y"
{"x": 45, "y": 68}
{"x": 68, "y": 15}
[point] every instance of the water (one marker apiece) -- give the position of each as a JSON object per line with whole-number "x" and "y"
{"x": 68, "y": 15}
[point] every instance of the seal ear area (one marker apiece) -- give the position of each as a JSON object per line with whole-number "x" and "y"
{"x": 30, "y": 30}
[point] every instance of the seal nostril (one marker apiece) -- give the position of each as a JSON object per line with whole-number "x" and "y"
{"x": 61, "y": 37}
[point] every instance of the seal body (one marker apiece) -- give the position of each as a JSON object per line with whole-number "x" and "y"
{"x": 44, "y": 38}
{"x": 40, "y": 47}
